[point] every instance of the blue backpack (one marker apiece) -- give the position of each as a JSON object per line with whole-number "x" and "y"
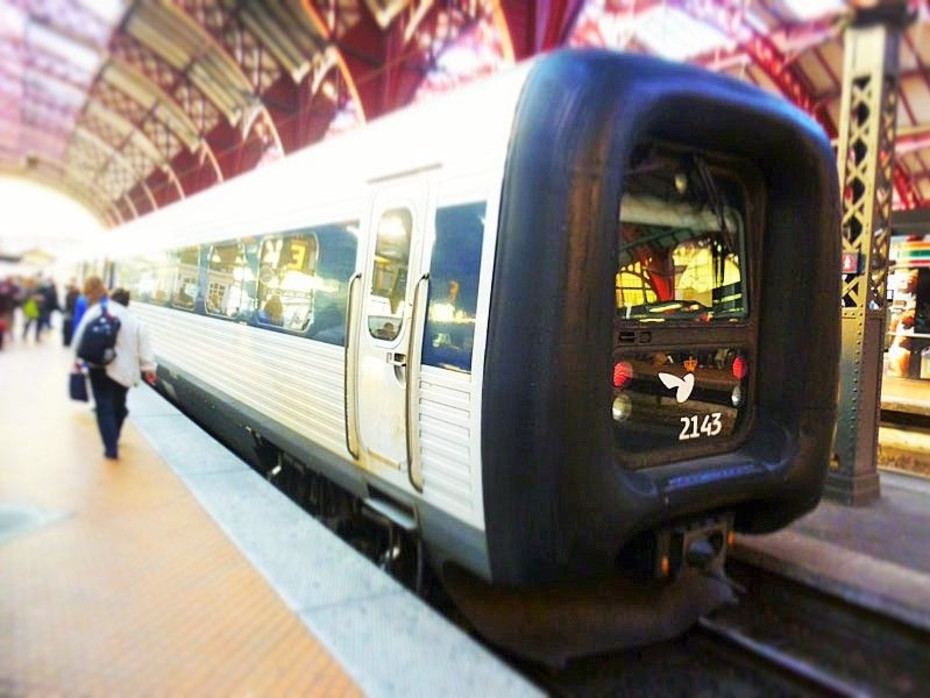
{"x": 98, "y": 343}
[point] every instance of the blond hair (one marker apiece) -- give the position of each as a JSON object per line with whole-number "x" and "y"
{"x": 94, "y": 289}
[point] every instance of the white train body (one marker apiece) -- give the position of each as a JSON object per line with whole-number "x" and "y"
{"x": 487, "y": 427}
{"x": 407, "y": 158}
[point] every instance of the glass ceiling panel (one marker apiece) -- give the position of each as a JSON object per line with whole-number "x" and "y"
{"x": 50, "y": 53}
{"x": 43, "y": 38}
{"x": 109, "y": 11}
{"x": 670, "y": 33}
{"x": 12, "y": 22}
{"x": 54, "y": 91}
{"x": 814, "y": 9}
{"x": 11, "y": 87}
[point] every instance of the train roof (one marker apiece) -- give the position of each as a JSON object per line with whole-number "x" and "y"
{"x": 464, "y": 132}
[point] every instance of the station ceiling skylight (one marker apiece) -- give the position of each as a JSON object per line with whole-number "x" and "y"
{"x": 668, "y": 32}
{"x": 814, "y": 9}
{"x": 130, "y": 105}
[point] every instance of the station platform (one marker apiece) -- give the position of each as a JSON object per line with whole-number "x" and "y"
{"x": 907, "y": 395}
{"x": 905, "y": 450}
{"x": 179, "y": 571}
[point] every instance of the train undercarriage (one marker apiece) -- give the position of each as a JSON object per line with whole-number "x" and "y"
{"x": 665, "y": 580}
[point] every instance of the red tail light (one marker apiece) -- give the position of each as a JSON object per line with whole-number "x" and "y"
{"x": 740, "y": 368}
{"x": 623, "y": 374}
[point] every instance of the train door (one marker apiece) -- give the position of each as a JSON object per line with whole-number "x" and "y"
{"x": 385, "y": 330}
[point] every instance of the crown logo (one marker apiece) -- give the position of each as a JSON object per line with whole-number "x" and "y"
{"x": 691, "y": 364}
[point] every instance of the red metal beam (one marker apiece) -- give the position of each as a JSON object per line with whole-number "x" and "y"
{"x": 381, "y": 71}
{"x": 916, "y": 138}
{"x": 300, "y": 116}
{"x": 534, "y": 27}
{"x": 908, "y": 195}
{"x": 162, "y": 187}
{"x": 383, "y": 66}
{"x": 195, "y": 171}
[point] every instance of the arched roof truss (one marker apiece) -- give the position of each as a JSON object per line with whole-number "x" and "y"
{"x": 130, "y": 106}
{"x": 142, "y": 105}
{"x": 384, "y": 49}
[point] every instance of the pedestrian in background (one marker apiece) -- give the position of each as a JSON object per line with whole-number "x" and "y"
{"x": 49, "y": 292}
{"x": 80, "y": 307}
{"x": 121, "y": 296}
{"x": 32, "y": 301}
{"x": 8, "y": 293}
{"x": 67, "y": 317}
{"x": 134, "y": 360}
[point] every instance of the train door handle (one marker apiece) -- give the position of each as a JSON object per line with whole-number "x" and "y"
{"x": 397, "y": 359}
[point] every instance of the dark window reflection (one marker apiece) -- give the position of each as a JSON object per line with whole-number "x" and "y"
{"x": 389, "y": 274}
{"x": 453, "y": 288}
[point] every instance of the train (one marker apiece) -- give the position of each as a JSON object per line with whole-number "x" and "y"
{"x": 577, "y": 320}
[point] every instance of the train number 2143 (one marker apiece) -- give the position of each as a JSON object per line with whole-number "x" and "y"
{"x": 694, "y": 427}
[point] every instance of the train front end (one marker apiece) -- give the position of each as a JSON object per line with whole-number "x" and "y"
{"x": 663, "y": 341}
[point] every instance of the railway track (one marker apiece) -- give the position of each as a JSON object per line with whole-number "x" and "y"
{"x": 797, "y": 670}
{"x": 856, "y": 648}
{"x": 782, "y": 639}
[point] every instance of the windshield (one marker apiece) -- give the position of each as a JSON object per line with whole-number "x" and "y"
{"x": 681, "y": 259}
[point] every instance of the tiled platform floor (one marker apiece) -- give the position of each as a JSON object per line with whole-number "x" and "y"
{"x": 117, "y": 583}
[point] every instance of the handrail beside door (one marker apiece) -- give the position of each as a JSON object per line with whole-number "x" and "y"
{"x": 351, "y": 369}
{"x": 414, "y": 356}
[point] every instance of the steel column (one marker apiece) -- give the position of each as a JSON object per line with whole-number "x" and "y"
{"x": 866, "y": 174}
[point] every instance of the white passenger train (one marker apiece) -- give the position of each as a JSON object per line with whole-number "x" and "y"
{"x": 580, "y": 318}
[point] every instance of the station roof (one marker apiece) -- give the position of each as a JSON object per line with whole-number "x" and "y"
{"x": 130, "y": 106}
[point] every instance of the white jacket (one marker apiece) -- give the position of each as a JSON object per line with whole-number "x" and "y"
{"x": 133, "y": 346}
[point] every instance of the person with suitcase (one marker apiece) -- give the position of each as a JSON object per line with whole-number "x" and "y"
{"x": 115, "y": 363}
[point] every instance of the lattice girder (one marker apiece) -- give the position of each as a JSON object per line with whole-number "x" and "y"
{"x": 866, "y": 173}
{"x": 867, "y": 178}
{"x": 383, "y": 59}
{"x": 174, "y": 82}
{"x": 256, "y": 66}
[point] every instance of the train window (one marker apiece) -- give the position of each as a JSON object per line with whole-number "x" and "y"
{"x": 148, "y": 277}
{"x": 681, "y": 259}
{"x": 453, "y": 288}
{"x": 186, "y": 278}
{"x": 126, "y": 273}
{"x": 338, "y": 247}
{"x": 140, "y": 276}
{"x": 228, "y": 275}
{"x": 287, "y": 281}
{"x": 389, "y": 274}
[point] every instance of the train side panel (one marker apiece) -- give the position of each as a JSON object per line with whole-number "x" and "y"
{"x": 292, "y": 381}
{"x": 288, "y": 391}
